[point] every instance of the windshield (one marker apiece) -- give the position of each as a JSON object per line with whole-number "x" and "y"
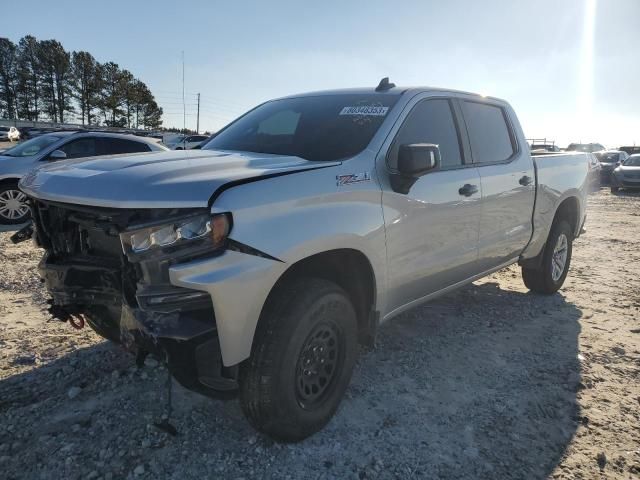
{"x": 31, "y": 147}
{"x": 632, "y": 161}
{"x": 585, "y": 147}
{"x": 324, "y": 127}
{"x": 608, "y": 157}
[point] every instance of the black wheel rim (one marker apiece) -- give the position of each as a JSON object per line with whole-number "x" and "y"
{"x": 319, "y": 362}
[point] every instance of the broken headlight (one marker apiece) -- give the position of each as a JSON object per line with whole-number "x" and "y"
{"x": 204, "y": 227}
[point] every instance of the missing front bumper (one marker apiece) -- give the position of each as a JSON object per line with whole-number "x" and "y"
{"x": 176, "y": 324}
{"x": 187, "y": 342}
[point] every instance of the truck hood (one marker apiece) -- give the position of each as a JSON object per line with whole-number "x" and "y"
{"x": 173, "y": 179}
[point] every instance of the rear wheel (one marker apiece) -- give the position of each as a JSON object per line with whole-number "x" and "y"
{"x": 550, "y": 276}
{"x": 304, "y": 351}
{"x": 13, "y": 205}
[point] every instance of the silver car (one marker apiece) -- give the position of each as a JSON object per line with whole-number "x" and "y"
{"x": 19, "y": 160}
{"x": 627, "y": 175}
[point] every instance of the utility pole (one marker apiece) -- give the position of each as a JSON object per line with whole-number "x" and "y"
{"x": 184, "y": 108}
{"x": 198, "y": 117}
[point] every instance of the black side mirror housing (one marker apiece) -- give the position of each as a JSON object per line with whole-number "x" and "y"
{"x": 414, "y": 160}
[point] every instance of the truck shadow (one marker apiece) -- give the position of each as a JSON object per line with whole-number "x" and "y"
{"x": 483, "y": 376}
{"x": 483, "y": 380}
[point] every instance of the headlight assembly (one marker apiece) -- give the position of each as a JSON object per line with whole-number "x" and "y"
{"x": 213, "y": 229}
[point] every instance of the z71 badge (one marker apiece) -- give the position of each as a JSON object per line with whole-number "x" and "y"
{"x": 352, "y": 178}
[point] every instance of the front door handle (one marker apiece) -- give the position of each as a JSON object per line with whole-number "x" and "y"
{"x": 467, "y": 190}
{"x": 525, "y": 181}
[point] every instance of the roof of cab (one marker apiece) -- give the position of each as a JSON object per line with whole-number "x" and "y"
{"x": 390, "y": 91}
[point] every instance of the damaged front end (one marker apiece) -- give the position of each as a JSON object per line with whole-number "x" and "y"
{"x": 111, "y": 268}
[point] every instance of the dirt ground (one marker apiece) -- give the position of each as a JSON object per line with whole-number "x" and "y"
{"x": 488, "y": 382}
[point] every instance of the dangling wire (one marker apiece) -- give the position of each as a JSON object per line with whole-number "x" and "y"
{"x": 164, "y": 423}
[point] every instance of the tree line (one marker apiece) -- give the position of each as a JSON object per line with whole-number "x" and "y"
{"x": 40, "y": 80}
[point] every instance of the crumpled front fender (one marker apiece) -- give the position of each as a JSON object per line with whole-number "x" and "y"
{"x": 239, "y": 285}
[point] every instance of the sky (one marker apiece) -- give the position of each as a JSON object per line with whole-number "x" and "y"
{"x": 570, "y": 68}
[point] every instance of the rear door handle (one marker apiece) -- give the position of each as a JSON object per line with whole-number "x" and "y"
{"x": 524, "y": 181}
{"x": 467, "y": 190}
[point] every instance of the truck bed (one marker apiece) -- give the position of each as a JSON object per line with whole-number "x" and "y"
{"x": 557, "y": 175}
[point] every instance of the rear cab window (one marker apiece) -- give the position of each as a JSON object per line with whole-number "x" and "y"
{"x": 490, "y": 135}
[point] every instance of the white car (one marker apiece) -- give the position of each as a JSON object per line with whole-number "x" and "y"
{"x": 14, "y": 134}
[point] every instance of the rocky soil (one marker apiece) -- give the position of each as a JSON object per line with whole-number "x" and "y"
{"x": 488, "y": 382}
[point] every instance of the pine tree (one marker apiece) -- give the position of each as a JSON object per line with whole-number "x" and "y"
{"x": 8, "y": 77}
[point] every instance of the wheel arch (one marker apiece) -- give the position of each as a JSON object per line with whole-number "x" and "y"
{"x": 348, "y": 268}
{"x": 569, "y": 210}
{"x": 9, "y": 181}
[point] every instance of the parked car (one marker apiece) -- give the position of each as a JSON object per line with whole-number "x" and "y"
{"x": 627, "y": 174}
{"x": 33, "y": 132}
{"x": 19, "y": 160}
{"x": 4, "y": 133}
{"x": 189, "y": 142}
{"x": 630, "y": 149}
{"x": 594, "y": 171}
{"x": 13, "y": 134}
{"x": 549, "y": 147}
{"x": 585, "y": 147}
{"x": 171, "y": 140}
{"x": 609, "y": 160}
{"x": 255, "y": 265}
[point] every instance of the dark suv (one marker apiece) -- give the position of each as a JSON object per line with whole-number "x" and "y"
{"x": 609, "y": 161}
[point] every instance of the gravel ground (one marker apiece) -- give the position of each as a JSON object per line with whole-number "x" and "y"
{"x": 487, "y": 382}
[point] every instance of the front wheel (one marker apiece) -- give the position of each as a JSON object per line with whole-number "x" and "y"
{"x": 302, "y": 359}
{"x": 13, "y": 205}
{"x": 551, "y": 274}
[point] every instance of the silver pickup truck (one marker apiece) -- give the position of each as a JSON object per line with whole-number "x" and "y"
{"x": 256, "y": 265}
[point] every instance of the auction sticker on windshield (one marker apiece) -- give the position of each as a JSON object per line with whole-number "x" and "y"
{"x": 365, "y": 110}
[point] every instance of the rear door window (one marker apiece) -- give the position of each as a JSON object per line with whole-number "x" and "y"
{"x": 115, "y": 146}
{"x": 489, "y": 133}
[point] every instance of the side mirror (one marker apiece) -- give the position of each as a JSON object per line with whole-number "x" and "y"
{"x": 414, "y": 160}
{"x": 57, "y": 155}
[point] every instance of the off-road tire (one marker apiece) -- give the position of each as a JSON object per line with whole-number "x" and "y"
{"x": 614, "y": 189}
{"x": 540, "y": 280}
{"x": 271, "y": 380}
